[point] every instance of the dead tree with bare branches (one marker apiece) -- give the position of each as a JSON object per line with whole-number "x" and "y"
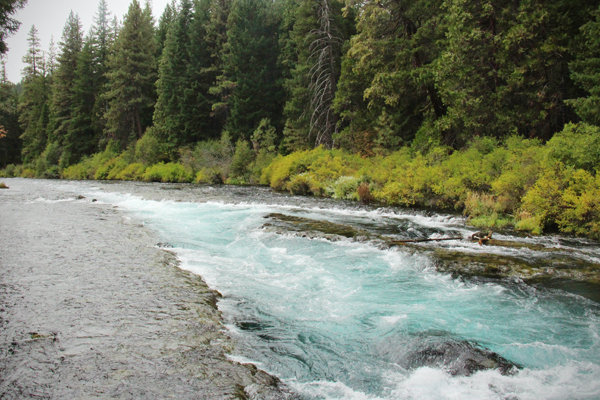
{"x": 324, "y": 49}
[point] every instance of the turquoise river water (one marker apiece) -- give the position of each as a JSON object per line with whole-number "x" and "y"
{"x": 337, "y": 319}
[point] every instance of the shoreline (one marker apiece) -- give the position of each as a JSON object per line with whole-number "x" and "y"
{"x": 92, "y": 308}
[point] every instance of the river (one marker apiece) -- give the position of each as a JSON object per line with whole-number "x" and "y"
{"x": 347, "y": 316}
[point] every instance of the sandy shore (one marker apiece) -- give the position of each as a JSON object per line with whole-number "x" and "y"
{"x": 89, "y": 307}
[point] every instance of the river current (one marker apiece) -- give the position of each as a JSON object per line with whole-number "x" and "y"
{"x": 341, "y": 319}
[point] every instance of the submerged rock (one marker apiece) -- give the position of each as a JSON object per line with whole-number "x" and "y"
{"x": 312, "y": 228}
{"x": 549, "y": 266}
{"x": 438, "y": 350}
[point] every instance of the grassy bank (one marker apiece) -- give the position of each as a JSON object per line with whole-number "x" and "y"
{"x": 520, "y": 182}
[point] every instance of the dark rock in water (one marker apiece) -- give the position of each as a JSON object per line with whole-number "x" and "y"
{"x": 437, "y": 350}
{"x": 80, "y": 197}
{"x": 312, "y": 228}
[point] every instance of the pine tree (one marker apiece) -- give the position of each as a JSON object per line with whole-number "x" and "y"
{"x": 103, "y": 36}
{"x": 61, "y": 111}
{"x": 216, "y": 35}
{"x": 251, "y": 83}
{"x": 387, "y": 87}
{"x": 182, "y": 114}
{"x": 313, "y": 50}
{"x": 10, "y": 131}
{"x": 8, "y": 25}
{"x": 172, "y": 78}
{"x": 131, "y": 78}
{"x": 505, "y": 67}
{"x": 586, "y": 72}
{"x": 81, "y": 138}
{"x": 163, "y": 27}
{"x": 33, "y": 103}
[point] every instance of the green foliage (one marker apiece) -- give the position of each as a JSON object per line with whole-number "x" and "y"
{"x": 345, "y": 187}
{"x": 131, "y": 93}
{"x": 210, "y": 160}
{"x": 242, "y": 161}
{"x": 577, "y": 145}
{"x": 170, "y": 172}
{"x": 567, "y": 198}
{"x": 249, "y": 88}
{"x": 33, "y": 104}
{"x": 585, "y": 71}
{"x": 183, "y": 108}
{"x": 62, "y": 101}
{"x": 133, "y": 172}
{"x": 148, "y": 149}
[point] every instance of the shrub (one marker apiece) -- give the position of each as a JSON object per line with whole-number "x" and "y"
{"x": 213, "y": 157}
{"x": 110, "y": 169}
{"x": 9, "y": 171}
{"x": 493, "y": 220}
{"x": 75, "y": 172}
{"x": 148, "y": 150}
{"x": 132, "y": 172}
{"x": 3, "y": 185}
{"x": 577, "y": 145}
{"x": 170, "y": 172}
{"x": 28, "y": 173}
{"x": 344, "y": 188}
{"x": 209, "y": 176}
{"x": 242, "y": 161}
{"x": 364, "y": 193}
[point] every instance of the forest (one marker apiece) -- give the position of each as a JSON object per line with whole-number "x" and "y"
{"x": 490, "y": 108}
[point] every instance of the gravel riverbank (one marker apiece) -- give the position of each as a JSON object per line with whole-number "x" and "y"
{"x": 90, "y": 307}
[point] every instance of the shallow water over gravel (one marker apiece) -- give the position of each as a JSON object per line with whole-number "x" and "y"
{"x": 352, "y": 317}
{"x": 89, "y": 307}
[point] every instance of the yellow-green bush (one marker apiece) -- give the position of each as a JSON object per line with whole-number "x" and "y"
{"x": 75, "y": 172}
{"x": 28, "y": 173}
{"x": 564, "y": 197}
{"x": 345, "y": 187}
{"x": 170, "y": 172}
{"x": 577, "y": 145}
{"x": 133, "y": 172}
{"x": 212, "y": 176}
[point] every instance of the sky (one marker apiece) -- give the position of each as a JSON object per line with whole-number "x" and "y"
{"x": 49, "y": 18}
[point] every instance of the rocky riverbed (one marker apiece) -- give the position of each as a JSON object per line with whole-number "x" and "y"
{"x": 91, "y": 307}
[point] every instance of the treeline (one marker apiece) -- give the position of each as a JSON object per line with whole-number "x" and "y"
{"x": 216, "y": 89}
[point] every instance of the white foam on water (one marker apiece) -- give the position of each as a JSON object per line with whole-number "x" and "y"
{"x": 345, "y": 296}
{"x": 574, "y": 381}
{"x": 329, "y": 391}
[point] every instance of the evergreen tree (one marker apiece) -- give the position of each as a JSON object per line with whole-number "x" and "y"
{"x": 505, "y": 67}
{"x": 313, "y": 50}
{"x": 216, "y": 35}
{"x": 387, "y": 87}
{"x": 163, "y": 27}
{"x": 131, "y": 91}
{"x": 172, "y": 78}
{"x": 182, "y": 114}
{"x": 10, "y": 131}
{"x": 586, "y": 72}
{"x": 61, "y": 111}
{"x": 81, "y": 138}
{"x": 33, "y": 103}
{"x": 101, "y": 44}
{"x": 8, "y": 25}
{"x": 250, "y": 87}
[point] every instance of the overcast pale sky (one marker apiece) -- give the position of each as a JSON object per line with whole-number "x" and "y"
{"x": 49, "y": 18}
